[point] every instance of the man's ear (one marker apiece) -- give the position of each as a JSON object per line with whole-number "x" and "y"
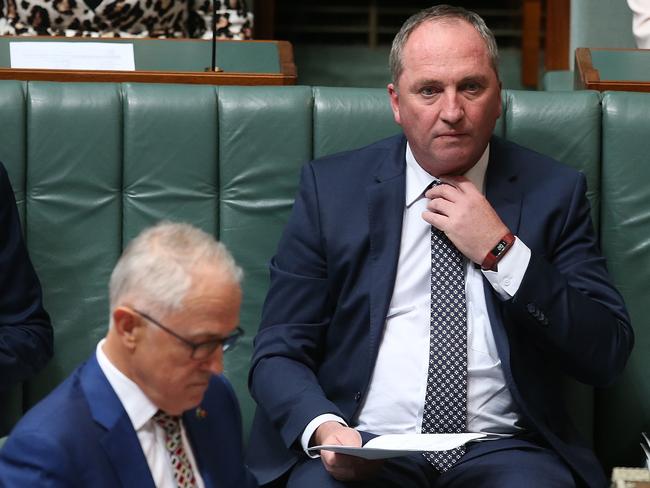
{"x": 127, "y": 325}
{"x": 394, "y": 102}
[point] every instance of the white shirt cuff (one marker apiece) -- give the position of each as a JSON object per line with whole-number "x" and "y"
{"x": 313, "y": 425}
{"x": 511, "y": 270}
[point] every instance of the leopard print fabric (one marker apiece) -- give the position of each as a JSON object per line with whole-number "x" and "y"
{"x": 125, "y": 18}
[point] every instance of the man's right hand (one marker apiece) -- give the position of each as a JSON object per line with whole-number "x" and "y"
{"x": 341, "y": 466}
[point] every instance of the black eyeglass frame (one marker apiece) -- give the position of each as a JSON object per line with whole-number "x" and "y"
{"x": 227, "y": 343}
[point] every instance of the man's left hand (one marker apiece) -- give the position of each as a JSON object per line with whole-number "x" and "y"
{"x": 461, "y": 211}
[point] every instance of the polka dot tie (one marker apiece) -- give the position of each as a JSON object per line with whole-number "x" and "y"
{"x": 181, "y": 466}
{"x": 445, "y": 406}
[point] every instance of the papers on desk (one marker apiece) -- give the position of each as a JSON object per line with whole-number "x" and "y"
{"x": 112, "y": 56}
{"x": 395, "y": 445}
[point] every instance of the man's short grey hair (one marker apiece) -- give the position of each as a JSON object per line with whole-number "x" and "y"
{"x": 436, "y": 13}
{"x": 155, "y": 270}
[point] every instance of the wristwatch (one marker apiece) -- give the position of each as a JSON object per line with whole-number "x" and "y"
{"x": 494, "y": 256}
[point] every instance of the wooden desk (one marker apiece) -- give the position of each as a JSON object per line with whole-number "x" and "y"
{"x": 174, "y": 61}
{"x": 612, "y": 69}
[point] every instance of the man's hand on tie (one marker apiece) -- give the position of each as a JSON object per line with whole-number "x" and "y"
{"x": 461, "y": 211}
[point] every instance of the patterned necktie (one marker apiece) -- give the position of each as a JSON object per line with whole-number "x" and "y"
{"x": 445, "y": 407}
{"x": 181, "y": 466}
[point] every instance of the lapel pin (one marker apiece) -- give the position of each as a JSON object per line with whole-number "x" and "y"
{"x": 200, "y": 413}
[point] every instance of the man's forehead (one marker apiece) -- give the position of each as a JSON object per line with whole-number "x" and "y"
{"x": 430, "y": 34}
{"x": 446, "y": 50}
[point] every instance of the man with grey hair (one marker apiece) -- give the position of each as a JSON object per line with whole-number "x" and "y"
{"x": 439, "y": 281}
{"x": 150, "y": 407}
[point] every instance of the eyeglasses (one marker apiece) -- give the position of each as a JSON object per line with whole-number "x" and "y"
{"x": 200, "y": 350}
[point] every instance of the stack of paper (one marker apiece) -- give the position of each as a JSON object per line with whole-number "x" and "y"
{"x": 395, "y": 445}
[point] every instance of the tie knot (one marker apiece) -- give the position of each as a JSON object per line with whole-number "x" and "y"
{"x": 169, "y": 423}
{"x": 432, "y": 184}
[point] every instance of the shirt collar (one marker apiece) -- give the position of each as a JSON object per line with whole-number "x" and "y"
{"x": 417, "y": 179}
{"x": 136, "y": 404}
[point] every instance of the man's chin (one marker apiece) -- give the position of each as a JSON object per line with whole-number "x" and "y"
{"x": 451, "y": 163}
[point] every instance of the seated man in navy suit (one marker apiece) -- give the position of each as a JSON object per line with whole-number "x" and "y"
{"x": 150, "y": 407}
{"x": 25, "y": 329}
{"x": 440, "y": 281}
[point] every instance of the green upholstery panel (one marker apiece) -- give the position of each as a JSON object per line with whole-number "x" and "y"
{"x": 74, "y": 212}
{"x": 265, "y": 135}
{"x": 349, "y": 118}
{"x": 563, "y": 125}
{"x": 170, "y": 154}
{"x": 624, "y": 411}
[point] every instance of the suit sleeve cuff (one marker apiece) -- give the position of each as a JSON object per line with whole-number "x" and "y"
{"x": 311, "y": 428}
{"x": 511, "y": 271}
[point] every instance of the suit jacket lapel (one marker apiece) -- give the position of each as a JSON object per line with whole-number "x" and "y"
{"x": 120, "y": 441}
{"x": 202, "y": 437}
{"x": 386, "y": 197}
{"x": 501, "y": 189}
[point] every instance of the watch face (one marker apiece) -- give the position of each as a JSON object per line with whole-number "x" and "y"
{"x": 499, "y": 248}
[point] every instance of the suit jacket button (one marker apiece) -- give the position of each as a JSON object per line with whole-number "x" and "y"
{"x": 357, "y": 396}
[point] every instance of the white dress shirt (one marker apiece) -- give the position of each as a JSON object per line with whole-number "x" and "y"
{"x": 394, "y": 401}
{"x": 151, "y": 436}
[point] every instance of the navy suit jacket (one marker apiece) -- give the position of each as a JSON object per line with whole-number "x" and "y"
{"x": 332, "y": 280}
{"x": 81, "y": 436}
{"x": 25, "y": 329}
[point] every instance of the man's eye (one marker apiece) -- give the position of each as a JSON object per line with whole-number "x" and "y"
{"x": 427, "y": 91}
{"x": 472, "y": 87}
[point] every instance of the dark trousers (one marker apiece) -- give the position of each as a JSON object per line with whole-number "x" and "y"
{"x": 504, "y": 463}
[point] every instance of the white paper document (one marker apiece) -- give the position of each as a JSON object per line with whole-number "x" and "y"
{"x": 112, "y": 56}
{"x": 395, "y": 445}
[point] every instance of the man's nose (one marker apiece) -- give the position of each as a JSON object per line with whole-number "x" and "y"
{"x": 214, "y": 363}
{"x": 451, "y": 109}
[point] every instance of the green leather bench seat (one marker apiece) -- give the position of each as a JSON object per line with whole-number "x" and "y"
{"x": 92, "y": 164}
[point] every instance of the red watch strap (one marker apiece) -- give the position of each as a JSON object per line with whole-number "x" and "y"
{"x": 495, "y": 255}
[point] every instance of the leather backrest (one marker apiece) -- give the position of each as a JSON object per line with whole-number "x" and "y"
{"x": 347, "y": 118}
{"x": 265, "y": 135}
{"x": 623, "y": 412}
{"x": 73, "y": 191}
